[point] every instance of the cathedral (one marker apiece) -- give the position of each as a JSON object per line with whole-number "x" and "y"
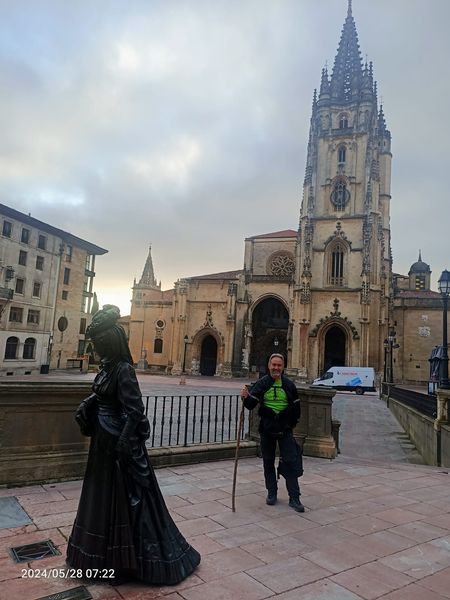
{"x": 322, "y": 294}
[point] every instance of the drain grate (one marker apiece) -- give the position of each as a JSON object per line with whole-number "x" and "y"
{"x": 34, "y": 551}
{"x": 78, "y": 593}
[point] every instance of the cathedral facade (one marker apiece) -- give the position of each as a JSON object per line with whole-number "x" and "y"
{"x": 322, "y": 294}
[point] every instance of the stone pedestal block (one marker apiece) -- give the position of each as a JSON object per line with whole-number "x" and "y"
{"x": 39, "y": 439}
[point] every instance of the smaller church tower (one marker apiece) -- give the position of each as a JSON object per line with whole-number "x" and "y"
{"x": 150, "y": 320}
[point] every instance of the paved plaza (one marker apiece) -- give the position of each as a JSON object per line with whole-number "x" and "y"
{"x": 377, "y": 523}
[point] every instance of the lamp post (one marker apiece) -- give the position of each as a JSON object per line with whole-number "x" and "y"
{"x": 183, "y": 370}
{"x": 386, "y": 349}
{"x": 444, "y": 289}
{"x": 391, "y": 339}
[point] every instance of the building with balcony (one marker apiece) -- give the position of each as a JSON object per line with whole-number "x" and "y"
{"x": 46, "y": 291}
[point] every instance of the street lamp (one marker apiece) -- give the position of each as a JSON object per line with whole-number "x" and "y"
{"x": 444, "y": 289}
{"x": 391, "y": 339}
{"x": 183, "y": 370}
{"x": 386, "y": 349}
{"x": 276, "y": 343}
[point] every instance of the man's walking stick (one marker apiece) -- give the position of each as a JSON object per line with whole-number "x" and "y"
{"x": 236, "y": 458}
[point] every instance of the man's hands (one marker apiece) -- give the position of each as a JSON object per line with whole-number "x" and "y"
{"x": 244, "y": 392}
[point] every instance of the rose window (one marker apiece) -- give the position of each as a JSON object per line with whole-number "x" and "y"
{"x": 282, "y": 265}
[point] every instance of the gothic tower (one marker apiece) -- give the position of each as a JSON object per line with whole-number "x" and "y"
{"x": 342, "y": 292}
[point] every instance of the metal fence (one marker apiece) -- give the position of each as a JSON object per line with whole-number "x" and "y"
{"x": 423, "y": 403}
{"x": 193, "y": 419}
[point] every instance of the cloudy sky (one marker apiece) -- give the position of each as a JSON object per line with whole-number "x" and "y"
{"x": 184, "y": 123}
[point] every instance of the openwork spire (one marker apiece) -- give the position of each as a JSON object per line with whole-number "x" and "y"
{"x": 347, "y": 70}
{"x": 148, "y": 275}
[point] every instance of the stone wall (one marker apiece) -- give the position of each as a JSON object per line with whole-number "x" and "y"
{"x": 420, "y": 430}
{"x": 39, "y": 439}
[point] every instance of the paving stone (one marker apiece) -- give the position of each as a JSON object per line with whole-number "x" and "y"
{"x": 288, "y": 574}
{"x": 438, "y": 583}
{"x": 340, "y": 557}
{"x": 364, "y": 525}
{"x": 419, "y": 561}
{"x": 237, "y": 536}
{"x": 372, "y": 580}
{"x": 226, "y": 562}
{"x": 321, "y": 590}
{"x": 234, "y": 587}
{"x": 12, "y": 515}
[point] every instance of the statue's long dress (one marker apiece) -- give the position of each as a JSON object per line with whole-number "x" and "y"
{"x": 122, "y": 521}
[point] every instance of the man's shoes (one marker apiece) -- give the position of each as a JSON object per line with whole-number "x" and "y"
{"x": 296, "y": 505}
{"x": 271, "y": 498}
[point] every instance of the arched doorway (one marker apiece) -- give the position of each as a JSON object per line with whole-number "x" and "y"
{"x": 270, "y": 323}
{"x": 208, "y": 356}
{"x": 334, "y": 354}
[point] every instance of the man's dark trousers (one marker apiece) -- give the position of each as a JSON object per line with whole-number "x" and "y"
{"x": 288, "y": 452}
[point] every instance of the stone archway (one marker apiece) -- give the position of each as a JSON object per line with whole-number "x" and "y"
{"x": 208, "y": 356}
{"x": 335, "y": 346}
{"x": 270, "y": 322}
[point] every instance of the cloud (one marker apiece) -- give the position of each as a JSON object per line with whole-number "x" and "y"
{"x": 185, "y": 123}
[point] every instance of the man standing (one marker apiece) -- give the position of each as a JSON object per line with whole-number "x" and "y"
{"x": 279, "y": 411}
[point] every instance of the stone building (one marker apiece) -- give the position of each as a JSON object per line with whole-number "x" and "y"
{"x": 46, "y": 294}
{"x": 322, "y": 294}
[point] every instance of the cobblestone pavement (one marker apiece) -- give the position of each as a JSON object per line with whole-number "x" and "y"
{"x": 375, "y": 526}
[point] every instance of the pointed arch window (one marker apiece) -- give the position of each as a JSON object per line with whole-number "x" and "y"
{"x": 341, "y": 154}
{"x": 343, "y": 122}
{"x": 336, "y": 259}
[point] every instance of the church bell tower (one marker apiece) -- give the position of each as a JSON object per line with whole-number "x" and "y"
{"x": 343, "y": 255}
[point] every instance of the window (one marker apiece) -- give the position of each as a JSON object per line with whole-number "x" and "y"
{"x": 65, "y": 295}
{"x": 337, "y": 265}
{"x": 341, "y": 154}
{"x": 69, "y": 251}
{"x": 62, "y": 323}
{"x": 42, "y": 242}
{"x": 66, "y": 276}
{"x": 7, "y": 229}
{"x": 29, "y": 348}
{"x": 158, "y": 346}
{"x": 15, "y": 314}
{"x": 23, "y": 257}
{"x": 33, "y": 316}
{"x": 20, "y": 286}
{"x": 83, "y": 325}
{"x": 343, "y": 122}
{"x": 420, "y": 282}
{"x": 37, "y": 289}
{"x": 40, "y": 263}
{"x": 12, "y": 345}
{"x": 25, "y": 237}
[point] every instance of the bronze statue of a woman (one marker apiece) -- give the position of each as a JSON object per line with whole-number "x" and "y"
{"x": 122, "y": 524}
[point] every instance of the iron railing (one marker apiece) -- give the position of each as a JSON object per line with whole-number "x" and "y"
{"x": 423, "y": 403}
{"x": 193, "y": 419}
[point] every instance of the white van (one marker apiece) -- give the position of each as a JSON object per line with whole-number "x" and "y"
{"x": 357, "y": 379}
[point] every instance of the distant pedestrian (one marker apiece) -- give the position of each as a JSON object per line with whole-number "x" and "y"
{"x": 279, "y": 411}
